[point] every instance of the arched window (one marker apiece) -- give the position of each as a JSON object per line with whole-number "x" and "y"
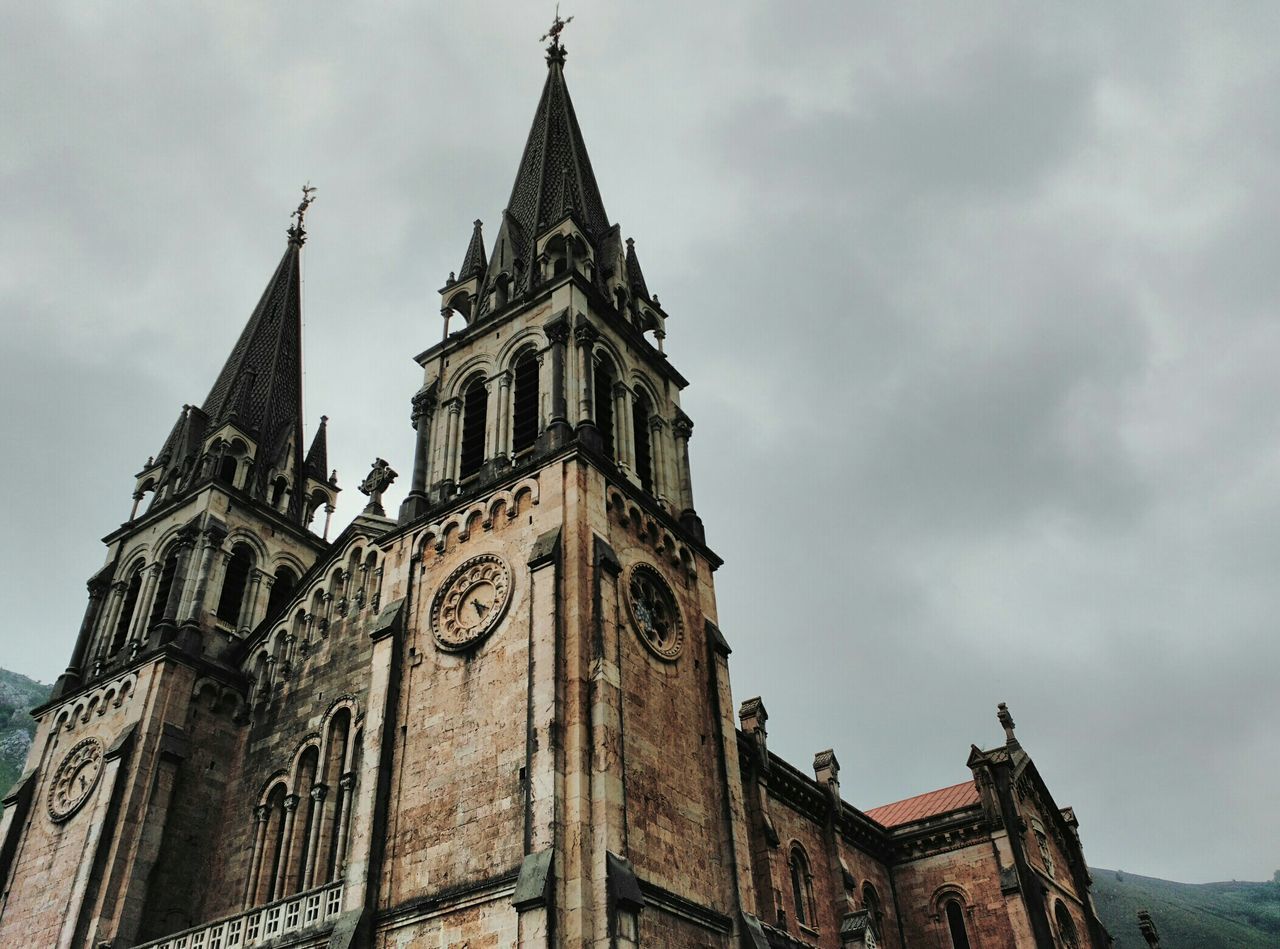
{"x": 871, "y": 903}
{"x": 164, "y": 589}
{"x": 475, "y": 409}
{"x": 227, "y": 469}
{"x": 524, "y": 403}
{"x": 127, "y": 609}
{"x": 640, "y": 425}
{"x": 231, "y": 600}
{"x": 955, "y": 924}
{"x": 1067, "y": 934}
{"x": 286, "y": 582}
{"x": 603, "y": 396}
{"x": 802, "y": 888}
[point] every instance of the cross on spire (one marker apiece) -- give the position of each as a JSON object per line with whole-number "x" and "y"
{"x": 557, "y": 27}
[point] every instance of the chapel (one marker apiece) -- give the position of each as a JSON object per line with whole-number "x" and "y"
{"x": 499, "y": 715}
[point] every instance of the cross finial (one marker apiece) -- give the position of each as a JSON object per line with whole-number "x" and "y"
{"x": 557, "y": 27}
{"x": 297, "y": 234}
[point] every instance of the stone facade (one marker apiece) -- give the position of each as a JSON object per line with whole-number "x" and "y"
{"x": 503, "y": 718}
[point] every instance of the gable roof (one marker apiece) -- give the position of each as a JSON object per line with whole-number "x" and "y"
{"x": 926, "y": 805}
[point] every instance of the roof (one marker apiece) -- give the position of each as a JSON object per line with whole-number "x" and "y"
{"x": 922, "y": 806}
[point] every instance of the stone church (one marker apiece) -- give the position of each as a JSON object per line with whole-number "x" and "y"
{"x": 500, "y": 716}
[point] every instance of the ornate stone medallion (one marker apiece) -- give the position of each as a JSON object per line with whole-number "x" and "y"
{"x": 471, "y": 602}
{"x": 654, "y": 611}
{"x": 75, "y": 778}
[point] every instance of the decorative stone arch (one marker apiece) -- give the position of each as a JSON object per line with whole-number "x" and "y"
{"x": 947, "y": 901}
{"x": 479, "y": 364}
{"x": 641, "y": 383}
{"x": 310, "y": 740}
{"x": 528, "y": 488}
{"x": 283, "y": 559}
{"x": 529, "y": 338}
{"x": 800, "y": 877}
{"x": 240, "y": 535}
{"x": 280, "y": 777}
{"x": 460, "y": 302}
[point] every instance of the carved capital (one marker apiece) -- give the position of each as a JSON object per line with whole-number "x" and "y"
{"x": 423, "y": 403}
{"x": 620, "y": 390}
{"x": 262, "y": 813}
{"x": 318, "y": 791}
{"x": 347, "y": 781}
{"x": 454, "y": 406}
{"x": 682, "y": 425}
{"x": 585, "y": 334}
{"x": 291, "y": 802}
{"x": 558, "y": 330}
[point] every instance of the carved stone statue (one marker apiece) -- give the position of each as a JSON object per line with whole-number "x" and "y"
{"x": 379, "y": 479}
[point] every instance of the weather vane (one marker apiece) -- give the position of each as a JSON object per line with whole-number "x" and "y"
{"x": 557, "y": 27}
{"x": 308, "y": 195}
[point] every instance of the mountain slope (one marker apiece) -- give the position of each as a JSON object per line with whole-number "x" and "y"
{"x": 1231, "y": 915}
{"x": 17, "y": 695}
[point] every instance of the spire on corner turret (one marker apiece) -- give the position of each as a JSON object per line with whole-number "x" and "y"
{"x": 635, "y": 276}
{"x": 475, "y": 260}
{"x": 317, "y": 463}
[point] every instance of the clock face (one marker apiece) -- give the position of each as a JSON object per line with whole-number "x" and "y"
{"x": 654, "y": 611}
{"x": 75, "y": 778}
{"x": 470, "y": 602}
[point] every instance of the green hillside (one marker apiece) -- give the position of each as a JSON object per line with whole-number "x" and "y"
{"x": 17, "y": 695}
{"x": 1189, "y": 915}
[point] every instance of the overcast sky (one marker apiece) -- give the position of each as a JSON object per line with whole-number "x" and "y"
{"x": 978, "y": 303}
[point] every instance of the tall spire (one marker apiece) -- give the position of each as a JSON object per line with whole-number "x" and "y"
{"x": 259, "y": 389}
{"x": 317, "y": 463}
{"x": 555, "y": 172}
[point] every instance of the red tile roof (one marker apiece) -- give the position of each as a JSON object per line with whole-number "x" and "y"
{"x": 925, "y": 805}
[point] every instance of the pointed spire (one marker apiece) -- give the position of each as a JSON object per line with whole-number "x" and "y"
{"x": 555, "y": 174}
{"x": 475, "y": 261}
{"x": 317, "y": 462}
{"x": 635, "y": 276}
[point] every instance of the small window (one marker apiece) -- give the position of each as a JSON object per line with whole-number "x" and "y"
{"x": 164, "y": 588}
{"x": 475, "y": 408}
{"x": 955, "y": 924}
{"x": 802, "y": 888}
{"x": 286, "y": 582}
{"x": 1067, "y": 934}
{"x": 278, "y": 489}
{"x": 871, "y": 903}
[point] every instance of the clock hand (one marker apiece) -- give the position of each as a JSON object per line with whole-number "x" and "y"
{"x": 480, "y": 608}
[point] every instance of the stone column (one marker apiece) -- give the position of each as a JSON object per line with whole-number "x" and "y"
{"x": 416, "y": 503}
{"x": 658, "y": 455}
{"x": 71, "y": 678}
{"x": 261, "y": 815}
{"x": 451, "y": 459}
{"x": 502, "y": 450}
{"x": 109, "y": 619}
{"x": 286, "y": 858}
{"x": 253, "y": 607}
{"x": 682, "y": 426}
{"x": 622, "y": 446}
{"x": 318, "y": 792}
{"x": 346, "y": 784}
{"x": 150, "y": 576}
{"x": 192, "y": 604}
{"x": 585, "y": 336}
{"x": 557, "y": 331}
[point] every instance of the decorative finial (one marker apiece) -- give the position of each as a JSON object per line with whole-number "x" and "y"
{"x": 1006, "y": 721}
{"x": 555, "y": 52}
{"x": 297, "y": 233}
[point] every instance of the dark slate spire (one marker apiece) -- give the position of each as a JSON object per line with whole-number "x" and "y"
{"x": 475, "y": 261}
{"x": 317, "y": 463}
{"x": 260, "y": 386}
{"x": 554, "y": 177}
{"x": 635, "y": 276}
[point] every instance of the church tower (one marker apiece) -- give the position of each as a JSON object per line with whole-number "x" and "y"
{"x": 217, "y": 538}
{"x": 502, "y": 718}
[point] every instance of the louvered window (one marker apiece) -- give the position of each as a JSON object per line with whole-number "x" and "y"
{"x": 164, "y": 588}
{"x": 524, "y": 404}
{"x": 475, "y": 407}
{"x": 640, "y": 424}
{"x": 604, "y": 406}
{"x": 127, "y": 610}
